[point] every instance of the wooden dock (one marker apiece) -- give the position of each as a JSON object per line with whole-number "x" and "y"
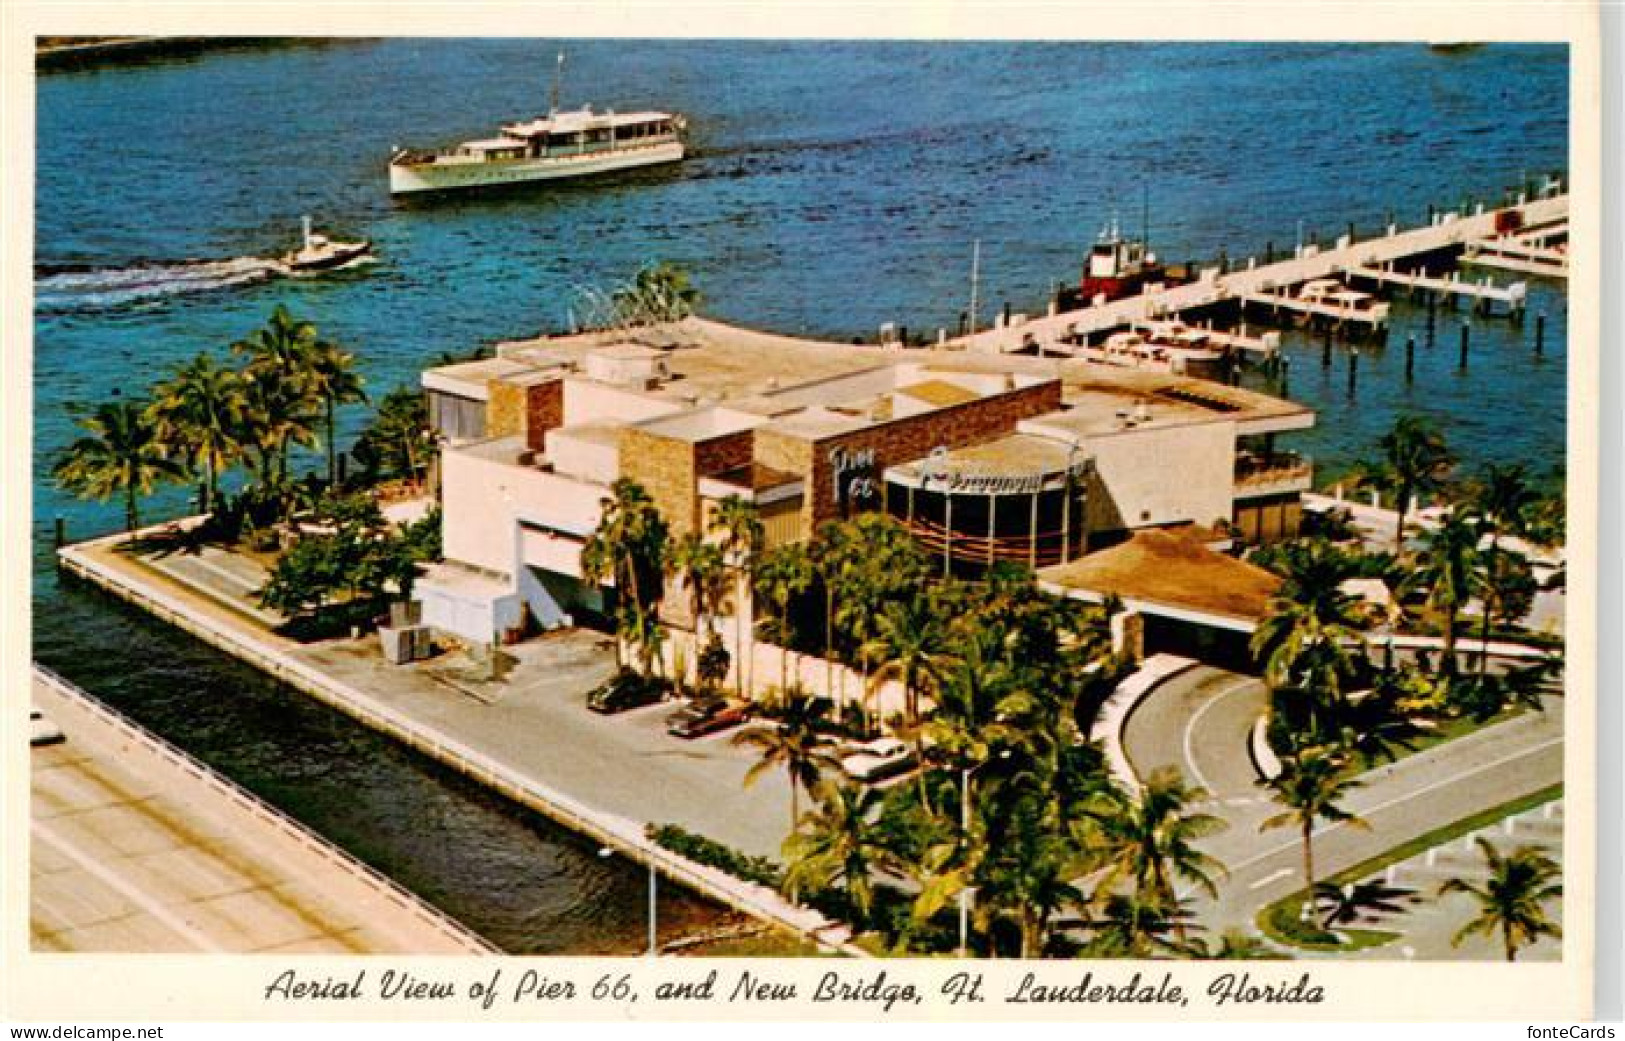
{"x": 1375, "y": 315}
{"x": 1446, "y": 232}
{"x": 1483, "y": 291}
{"x": 1536, "y": 251}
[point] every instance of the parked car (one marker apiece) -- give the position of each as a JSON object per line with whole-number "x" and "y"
{"x": 706, "y": 716}
{"x": 878, "y": 759}
{"x": 626, "y": 689}
{"x": 42, "y": 731}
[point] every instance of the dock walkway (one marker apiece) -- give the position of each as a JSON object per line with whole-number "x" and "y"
{"x": 1447, "y": 231}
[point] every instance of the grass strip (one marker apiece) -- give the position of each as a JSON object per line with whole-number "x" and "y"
{"x": 1279, "y": 920}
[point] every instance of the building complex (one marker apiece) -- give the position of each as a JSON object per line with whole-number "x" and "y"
{"x": 982, "y": 457}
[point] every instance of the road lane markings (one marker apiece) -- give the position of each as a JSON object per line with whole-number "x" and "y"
{"x": 1397, "y": 800}
{"x": 1273, "y": 876}
{"x": 122, "y": 886}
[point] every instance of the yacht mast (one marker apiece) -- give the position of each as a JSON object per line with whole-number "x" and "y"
{"x": 558, "y": 74}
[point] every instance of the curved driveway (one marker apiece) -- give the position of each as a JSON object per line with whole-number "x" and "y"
{"x": 1200, "y": 721}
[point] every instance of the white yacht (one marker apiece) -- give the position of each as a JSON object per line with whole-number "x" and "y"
{"x": 559, "y": 145}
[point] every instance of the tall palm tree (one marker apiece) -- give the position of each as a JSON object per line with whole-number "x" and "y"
{"x": 628, "y": 549}
{"x": 1510, "y": 899}
{"x": 1150, "y": 836}
{"x": 120, "y": 453}
{"x": 1506, "y": 585}
{"x": 1310, "y": 783}
{"x": 333, "y": 379}
{"x": 911, "y": 646}
{"x": 784, "y": 573}
{"x": 279, "y": 375}
{"x": 839, "y": 840}
{"x": 1304, "y": 639}
{"x": 198, "y": 416}
{"x": 276, "y": 416}
{"x": 1444, "y": 569}
{"x": 1032, "y": 874}
{"x": 791, "y": 740}
{"x": 700, "y": 566}
{"x": 1414, "y": 461}
{"x": 739, "y": 523}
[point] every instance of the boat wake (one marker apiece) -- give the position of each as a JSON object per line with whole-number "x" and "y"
{"x": 110, "y": 288}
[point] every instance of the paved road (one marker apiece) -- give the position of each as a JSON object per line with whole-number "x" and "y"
{"x": 1399, "y": 802}
{"x": 132, "y": 851}
{"x": 1200, "y": 721}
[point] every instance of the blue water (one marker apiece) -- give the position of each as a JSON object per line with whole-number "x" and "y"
{"x": 833, "y": 187}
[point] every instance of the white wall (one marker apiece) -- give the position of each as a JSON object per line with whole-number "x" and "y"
{"x": 484, "y": 497}
{"x": 585, "y": 457}
{"x": 1153, "y": 476}
{"x": 589, "y": 402}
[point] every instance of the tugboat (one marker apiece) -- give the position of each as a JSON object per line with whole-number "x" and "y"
{"x": 1117, "y": 267}
{"x": 319, "y": 253}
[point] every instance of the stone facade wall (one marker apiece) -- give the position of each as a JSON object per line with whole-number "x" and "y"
{"x": 504, "y": 409}
{"x": 664, "y": 466}
{"x": 544, "y": 411}
{"x": 720, "y": 454}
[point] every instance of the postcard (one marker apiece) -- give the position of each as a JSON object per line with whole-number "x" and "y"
{"x": 885, "y": 515}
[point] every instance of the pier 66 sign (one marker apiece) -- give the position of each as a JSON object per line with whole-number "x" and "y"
{"x": 856, "y": 484}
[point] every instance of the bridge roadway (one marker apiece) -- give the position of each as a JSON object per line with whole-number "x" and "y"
{"x": 1249, "y": 281}
{"x": 135, "y": 848}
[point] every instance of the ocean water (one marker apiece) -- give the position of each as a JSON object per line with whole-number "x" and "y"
{"x": 832, "y": 187}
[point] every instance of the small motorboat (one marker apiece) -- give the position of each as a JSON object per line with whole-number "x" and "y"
{"x": 319, "y": 253}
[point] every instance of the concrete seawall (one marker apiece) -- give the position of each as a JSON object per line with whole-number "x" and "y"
{"x": 96, "y": 562}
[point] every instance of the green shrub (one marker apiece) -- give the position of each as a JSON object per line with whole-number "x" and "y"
{"x": 711, "y": 853}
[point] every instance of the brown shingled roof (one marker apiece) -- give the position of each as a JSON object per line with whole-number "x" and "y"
{"x": 1172, "y": 568}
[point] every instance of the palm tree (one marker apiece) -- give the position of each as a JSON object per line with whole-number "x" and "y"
{"x": 700, "y": 566}
{"x": 1509, "y": 900}
{"x": 1032, "y": 873}
{"x": 398, "y": 441}
{"x": 784, "y": 573}
{"x": 739, "y": 523}
{"x": 911, "y": 646}
{"x": 1150, "y": 837}
{"x": 198, "y": 416}
{"x": 120, "y": 452}
{"x": 1312, "y": 622}
{"x": 838, "y": 840}
{"x": 791, "y": 740}
{"x": 628, "y": 549}
{"x": 335, "y": 382}
{"x": 1415, "y": 461}
{"x": 1310, "y": 783}
{"x": 276, "y": 416}
{"x": 1444, "y": 568}
{"x": 281, "y": 362}
{"x": 1506, "y": 587}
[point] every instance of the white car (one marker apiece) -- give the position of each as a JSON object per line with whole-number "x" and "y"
{"x": 877, "y": 759}
{"x": 42, "y": 731}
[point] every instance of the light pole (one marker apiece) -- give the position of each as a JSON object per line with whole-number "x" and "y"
{"x": 964, "y": 837}
{"x": 654, "y": 892}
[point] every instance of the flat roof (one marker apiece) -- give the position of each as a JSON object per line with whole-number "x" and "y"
{"x": 468, "y": 379}
{"x": 1013, "y": 455}
{"x": 1171, "y": 570}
